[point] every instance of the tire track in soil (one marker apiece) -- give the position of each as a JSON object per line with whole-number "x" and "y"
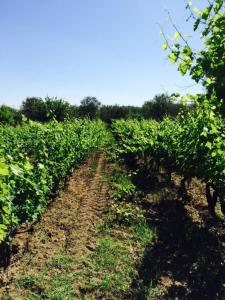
{"x": 67, "y": 226}
{"x": 90, "y": 209}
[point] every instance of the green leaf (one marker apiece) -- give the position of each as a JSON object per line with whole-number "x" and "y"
{"x": 196, "y": 24}
{"x": 184, "y": 100}
{"x": 173, "y": 56}
{"x": 214, "y": 154}
{"x": 197, "y": 11}
{"x": 187, "y": 51}
{"x": 177, "y": 35}
{"x": 205, "y": 13}
{"x": 16, "y": 170}
{"x": 184, "y": 67}
{"x": 28, "y": 166}
{"x": 208, "y": 145}
{"x": 165, "y": 46}
{"x": 4, "y": 170}
{"x": 6, "y": 209}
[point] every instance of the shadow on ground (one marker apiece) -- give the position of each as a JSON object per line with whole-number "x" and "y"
{"x": 4, "y": 255}
{"x": 187, "y": 260}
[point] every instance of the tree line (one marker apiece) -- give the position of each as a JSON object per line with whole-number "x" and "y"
{"x": 44, "y": 110}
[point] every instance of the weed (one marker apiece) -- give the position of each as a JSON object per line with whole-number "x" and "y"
{"x": 103, "y": 226}
{"x": 111, "y": 267}
{"x": 27, "y": 281}
{"x": 155, "y": 293}
{"x": 126, "y": 213}
{"x": 143, "y": 233}
{"x": 61, "y": 262}
{"x": 60, "y": 287}
{"x": 122, "y": 186}
{"x": 6, "y": 296}
{"x": 33, "y": 296}
{"x": 42, "y": 237}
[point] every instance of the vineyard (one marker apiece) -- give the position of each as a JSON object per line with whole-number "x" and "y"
{"x": 129, "y": 208}
{"x": 192, "y": 146}
{"x": 101, "y": 201}
{"x": 35, "y": 161}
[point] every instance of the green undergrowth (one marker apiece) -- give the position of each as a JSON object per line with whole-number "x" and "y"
{"x": 111, "y": 271}
{"x": 109, "y": 268}
{"x": 122, "y": 187}
{"x": 53, "y": 282}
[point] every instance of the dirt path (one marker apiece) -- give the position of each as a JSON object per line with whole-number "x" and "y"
{"x": 66, "y": 227}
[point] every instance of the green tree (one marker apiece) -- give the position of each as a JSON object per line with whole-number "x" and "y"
{"x": 108, "y": 113}
{"x": 50, "y": 108}
{"x": 89, "y": 107}
{"x": 59, "y": 109}
{"x": 34, "y": 108}
{"x": 7, "y": 115}
{"x": 161, "y": 106}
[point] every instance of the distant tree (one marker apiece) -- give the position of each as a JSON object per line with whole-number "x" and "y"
{"x": 73, "y": 112}
{"x": 89, "y": 107}
{"x": 59, "y": 109}
{"x": 18, "y": 116}
{"x": 7, "y": 115}
{"x": 135, "y": 112}
{"x": 161, "y": 106}
{"x": 108, "y": 113}
{"x": 35, "y": 109}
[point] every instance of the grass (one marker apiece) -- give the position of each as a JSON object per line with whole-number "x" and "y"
{"x": 143, "y": 233}
{"x": 57, "y": 279}
{"x": 26, "y": 281}
{"x": 60, "y": 287}
{"x": 110, "y": 267}
{"x": 61, "y": 262}
{"x": 54, "y": 282}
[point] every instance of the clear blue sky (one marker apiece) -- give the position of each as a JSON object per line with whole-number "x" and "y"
{"x": 110, "y": 49}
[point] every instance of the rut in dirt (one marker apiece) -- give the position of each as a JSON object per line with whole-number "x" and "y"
{"x": 68, "y": 224}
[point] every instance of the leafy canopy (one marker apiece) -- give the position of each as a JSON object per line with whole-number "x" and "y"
{"x": 206, "y": 66}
